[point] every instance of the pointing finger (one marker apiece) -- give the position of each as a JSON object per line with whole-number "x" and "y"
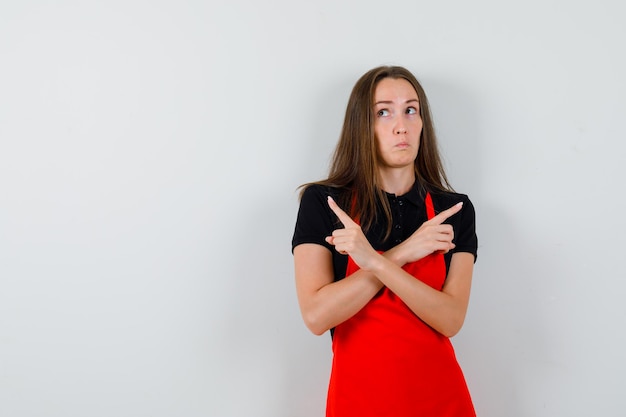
{"x": 343, "y": 217}
{"x": 441, "y": 217}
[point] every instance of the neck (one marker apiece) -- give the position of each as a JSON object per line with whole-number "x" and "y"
{"x": 397, "y": 181}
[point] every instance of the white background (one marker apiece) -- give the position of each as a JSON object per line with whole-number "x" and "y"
{"x": 150, "y": 153}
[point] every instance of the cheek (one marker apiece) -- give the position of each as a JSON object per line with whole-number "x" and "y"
{"x": 380, "y": 137}
{"x": 378, "y": 132}
{"x": 418, "y": 128}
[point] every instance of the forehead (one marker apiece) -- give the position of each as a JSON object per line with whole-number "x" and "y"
{"x": 392, "y": 89}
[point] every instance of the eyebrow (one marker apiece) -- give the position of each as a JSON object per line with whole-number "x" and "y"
{"x": 391, "y": 102}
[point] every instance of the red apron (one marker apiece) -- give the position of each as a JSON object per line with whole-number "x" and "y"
{"x": 388, "y": 362}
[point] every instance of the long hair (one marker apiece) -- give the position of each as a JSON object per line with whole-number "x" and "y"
{"x": 354, "y": 169}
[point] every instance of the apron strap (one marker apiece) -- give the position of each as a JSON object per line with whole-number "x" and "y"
{"x": 430, "y": 209}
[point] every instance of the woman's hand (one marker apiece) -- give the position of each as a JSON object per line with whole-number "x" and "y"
{"x": 350, "y": 240}
{"x": 432, "y": 236}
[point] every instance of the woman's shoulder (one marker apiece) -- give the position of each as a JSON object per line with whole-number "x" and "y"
{"x": 464, "y": 222}
{"x": 315, "y": 219}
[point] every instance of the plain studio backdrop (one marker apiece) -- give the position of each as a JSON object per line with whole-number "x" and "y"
{"x": 150, "y": 153}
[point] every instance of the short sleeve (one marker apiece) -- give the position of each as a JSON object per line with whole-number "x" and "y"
{"x": 315, "y": 219}
{"x": 465, "y": 231}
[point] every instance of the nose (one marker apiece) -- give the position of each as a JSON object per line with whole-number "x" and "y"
{"x": 400, "y": 129}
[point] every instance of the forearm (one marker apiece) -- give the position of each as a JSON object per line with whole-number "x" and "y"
{"x": 338, "y": 301}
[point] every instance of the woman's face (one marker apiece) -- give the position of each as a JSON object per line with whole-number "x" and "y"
{"x": 397, "y": 123}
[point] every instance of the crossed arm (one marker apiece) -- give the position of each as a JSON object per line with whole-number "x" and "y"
{"x": 325, "y": 303}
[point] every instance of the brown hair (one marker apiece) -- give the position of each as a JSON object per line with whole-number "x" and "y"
{"x": 354, "y": 167}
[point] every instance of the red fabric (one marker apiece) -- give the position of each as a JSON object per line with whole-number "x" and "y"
{"x": 388, "y": 362}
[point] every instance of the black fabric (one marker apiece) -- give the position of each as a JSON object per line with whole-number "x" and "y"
{"x": 315, "y": 221}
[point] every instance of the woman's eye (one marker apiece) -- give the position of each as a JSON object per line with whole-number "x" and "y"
{"x": 382, "y": 113}
{"x": 411, "y": 110}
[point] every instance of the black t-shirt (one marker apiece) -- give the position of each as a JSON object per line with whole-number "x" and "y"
{"x": 316, "y": 221}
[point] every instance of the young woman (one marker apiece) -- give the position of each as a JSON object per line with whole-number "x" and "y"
{"x": 384, "y": 252}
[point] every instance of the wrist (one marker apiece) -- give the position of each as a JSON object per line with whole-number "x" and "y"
{"x": 396, "y": 255}
{"x": 381, "y": 263}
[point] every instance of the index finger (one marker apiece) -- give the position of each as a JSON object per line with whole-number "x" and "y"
{"x": 444, "y": 215}
{"x": 342, "y": 215}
